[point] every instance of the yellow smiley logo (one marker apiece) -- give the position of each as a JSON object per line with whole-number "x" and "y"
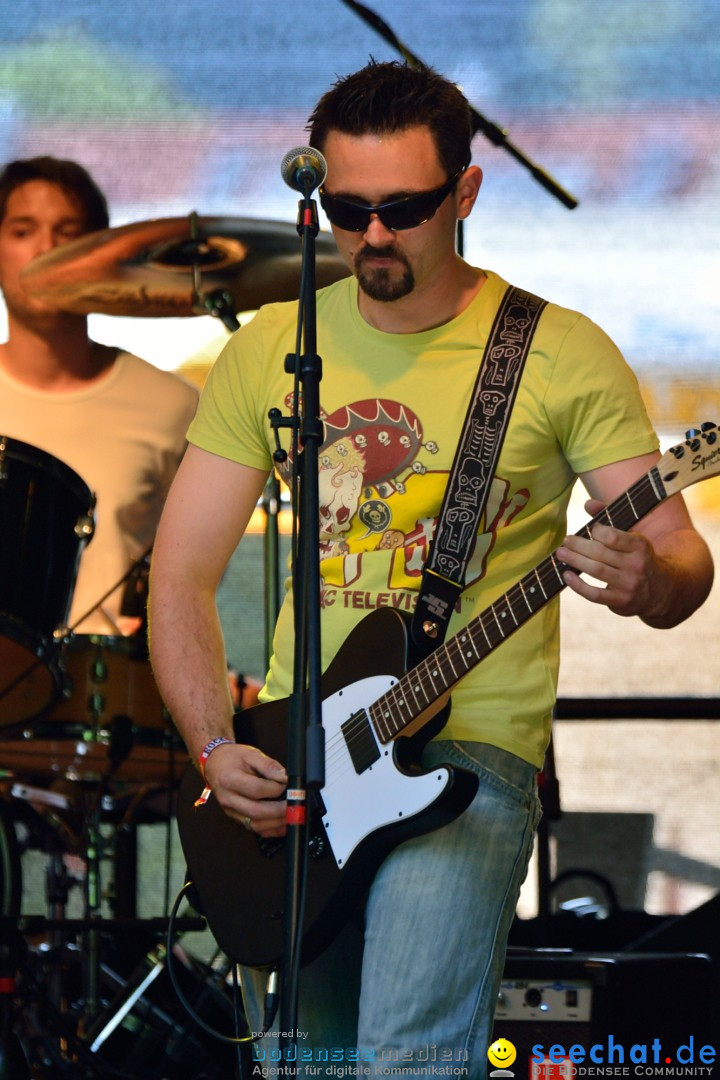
{"x": 502, "y": 1053}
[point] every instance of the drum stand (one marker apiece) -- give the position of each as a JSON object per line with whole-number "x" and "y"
{"x": 13, "y": 1063}
{"x": 72, "y": 1002}
{"x": 93, "y": 892}
{"x": 58, "y": 889}
{"x": 78, "y": 1018}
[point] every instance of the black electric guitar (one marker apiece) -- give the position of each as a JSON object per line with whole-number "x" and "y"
{"x": 376, "y": 794}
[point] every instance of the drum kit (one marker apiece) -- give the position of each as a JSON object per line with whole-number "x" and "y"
{"x": 87, "y": 749}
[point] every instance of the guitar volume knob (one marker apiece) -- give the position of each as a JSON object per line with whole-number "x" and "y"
{"x": 316, "y": 847}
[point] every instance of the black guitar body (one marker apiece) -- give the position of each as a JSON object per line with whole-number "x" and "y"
{"x": 240, "y": 878}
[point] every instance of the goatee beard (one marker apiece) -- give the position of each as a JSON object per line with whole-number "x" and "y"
{"x": 379, "y": 283}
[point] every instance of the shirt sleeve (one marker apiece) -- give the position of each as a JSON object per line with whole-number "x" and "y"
{"x": 594, "y": 401}
{"x": 230, "y": 420}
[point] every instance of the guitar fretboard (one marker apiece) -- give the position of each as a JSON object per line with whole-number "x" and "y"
{"x": 438, "y": 673}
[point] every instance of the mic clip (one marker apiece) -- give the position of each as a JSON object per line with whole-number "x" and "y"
{"x": 277, "y": 421}
{"x": 307, "y": 219}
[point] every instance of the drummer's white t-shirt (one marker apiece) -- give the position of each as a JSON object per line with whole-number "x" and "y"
{"x": 124, "y": 435}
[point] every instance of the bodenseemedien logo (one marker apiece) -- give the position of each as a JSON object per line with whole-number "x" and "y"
{"x": 501, "y": 1054}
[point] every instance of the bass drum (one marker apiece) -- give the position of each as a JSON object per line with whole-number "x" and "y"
{"x": 46, "y": 516}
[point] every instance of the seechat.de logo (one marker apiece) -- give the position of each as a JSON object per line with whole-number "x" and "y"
{"x": 501, "y": 1054}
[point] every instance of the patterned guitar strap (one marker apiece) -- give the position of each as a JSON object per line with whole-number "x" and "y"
{"x": 474, "y": 466}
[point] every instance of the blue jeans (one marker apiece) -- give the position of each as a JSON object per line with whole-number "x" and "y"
{"x": 420, "y": 985}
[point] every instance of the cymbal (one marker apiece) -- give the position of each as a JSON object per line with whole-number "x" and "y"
{"x": 156, "y": 268}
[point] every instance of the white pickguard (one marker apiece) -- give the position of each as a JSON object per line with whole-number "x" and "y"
{"x": 357, "y": 805}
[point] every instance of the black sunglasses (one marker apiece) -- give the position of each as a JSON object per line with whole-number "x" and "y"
{"x": 396, "y": 214}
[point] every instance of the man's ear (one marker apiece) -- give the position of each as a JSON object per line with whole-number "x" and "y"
{"x": 467, "y": 190}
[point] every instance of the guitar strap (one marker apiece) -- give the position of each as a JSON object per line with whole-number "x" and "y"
{"x": 476, "y": 457}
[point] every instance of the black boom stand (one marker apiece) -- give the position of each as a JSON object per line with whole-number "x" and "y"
{"x": 495, "y": 134}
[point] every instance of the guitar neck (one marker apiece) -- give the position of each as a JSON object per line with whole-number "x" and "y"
{"x": 433, "y": 677}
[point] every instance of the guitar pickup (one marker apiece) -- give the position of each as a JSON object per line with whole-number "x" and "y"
{"x": 360, "y": 741}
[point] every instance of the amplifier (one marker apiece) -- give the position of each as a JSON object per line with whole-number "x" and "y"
{"x": 610, "y": 1001}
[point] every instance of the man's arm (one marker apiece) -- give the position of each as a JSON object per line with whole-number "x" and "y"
{"x": 206, "y": 513}
{"x": 662, "y": 571}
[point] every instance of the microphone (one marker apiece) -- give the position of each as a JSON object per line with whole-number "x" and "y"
{"x": 303, "y": 169}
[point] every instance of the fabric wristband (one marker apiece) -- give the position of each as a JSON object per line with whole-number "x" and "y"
{"x": 208, "y": 749}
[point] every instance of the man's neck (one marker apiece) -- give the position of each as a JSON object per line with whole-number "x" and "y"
{"x": 55, "y": 360}
{"x": 424, "y": 309}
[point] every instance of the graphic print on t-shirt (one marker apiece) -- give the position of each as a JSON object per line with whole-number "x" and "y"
{"x": 375, "y": 472}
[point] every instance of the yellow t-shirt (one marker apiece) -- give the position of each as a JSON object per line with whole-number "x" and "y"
{"x": 393, "y": 406}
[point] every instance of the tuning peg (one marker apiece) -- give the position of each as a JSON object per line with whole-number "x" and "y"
{"x": 691, "y": 433}
{"x": 709, "y": 432}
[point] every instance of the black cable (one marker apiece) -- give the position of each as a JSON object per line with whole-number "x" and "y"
{"x": 232, "y": 1040}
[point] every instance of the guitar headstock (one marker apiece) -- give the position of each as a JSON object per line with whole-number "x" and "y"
{"x": 697, "y": 458}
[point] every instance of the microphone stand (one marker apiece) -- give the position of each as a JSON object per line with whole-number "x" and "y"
{"x": 490, "y": 130}
{"x": 306, "y": 745}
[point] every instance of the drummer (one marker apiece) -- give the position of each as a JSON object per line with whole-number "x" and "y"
{"x": 116, "y": 420}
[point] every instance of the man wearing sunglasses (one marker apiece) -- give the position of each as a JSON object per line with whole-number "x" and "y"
{"x": 415, "y": 981}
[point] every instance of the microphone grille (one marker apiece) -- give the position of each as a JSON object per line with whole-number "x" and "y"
{"x": 300, "y": 157}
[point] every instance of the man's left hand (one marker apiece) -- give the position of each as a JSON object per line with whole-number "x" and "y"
{"x": 626, "y": 563}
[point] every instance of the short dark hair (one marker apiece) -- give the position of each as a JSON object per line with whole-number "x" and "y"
{"x": 71, "y": 177}
{"x": 392, "y": 96}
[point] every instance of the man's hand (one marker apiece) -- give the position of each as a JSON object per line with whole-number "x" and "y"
{"x": 250, "y": 787}
{"x": 625, "y": 561}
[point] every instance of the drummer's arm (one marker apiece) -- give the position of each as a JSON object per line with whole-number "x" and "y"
{"x": 206, "y": 513}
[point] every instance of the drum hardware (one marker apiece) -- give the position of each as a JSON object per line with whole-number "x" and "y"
{"x": 13, "y": 1063}
{"x": 44, "y": 817}
{"x": 91, "y": 953}
{"x": 40, "y": 824}
{"x": 55, "y": 1037}
{"x": 84, "y": 529}
{"x": 74, "y": 753}
{"x": 40, "y": 795}
{"x": 58, "y": 878}
{"x": 146, "y": 1020}
{"x": 133, "y": 569}
{"x": 62, "y": 1011}
{"x": 154, "y": 926}
{"x": 106, "y": 747}
{"x": 126, "y": 998}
